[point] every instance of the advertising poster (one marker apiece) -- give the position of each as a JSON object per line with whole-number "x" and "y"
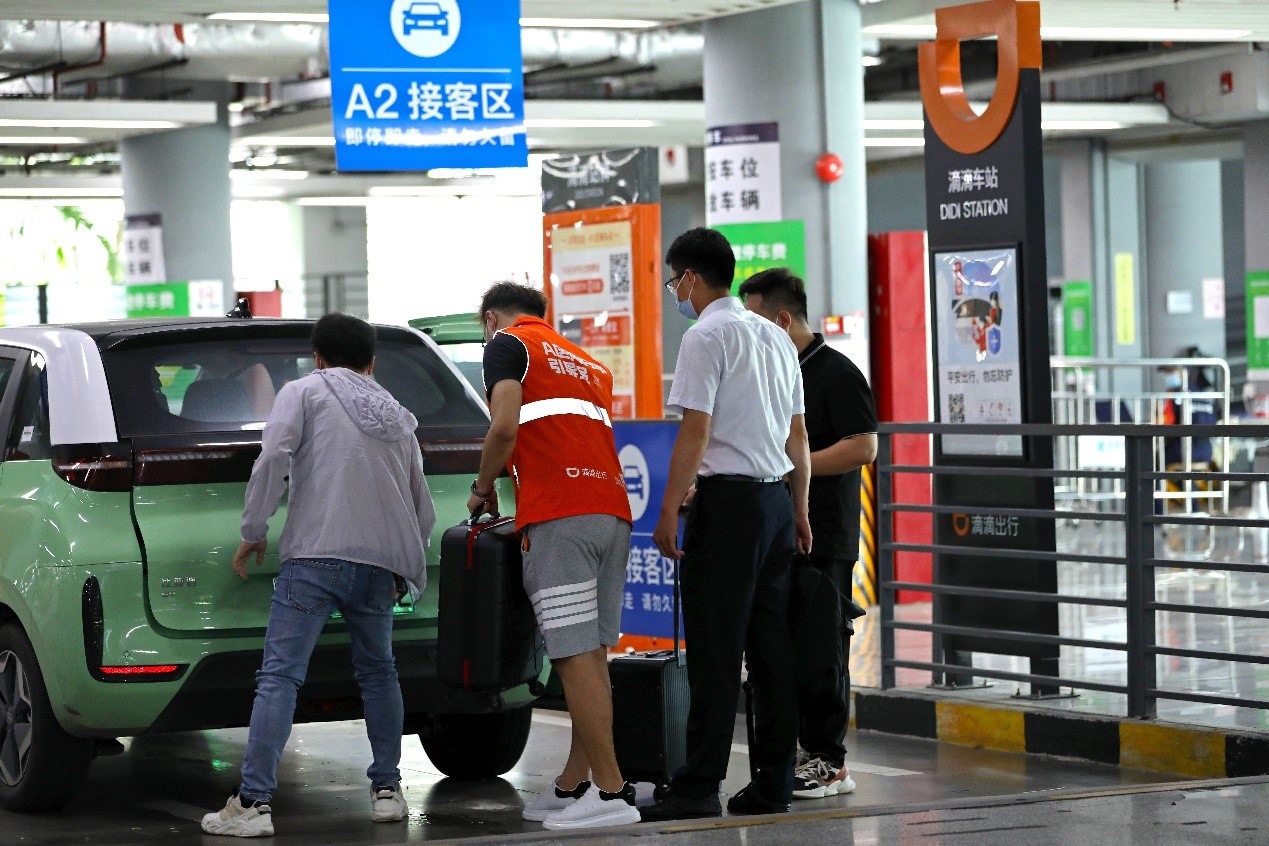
{"x": 593, "y": 300}
{"x": 1077, "y": 314}
{"x": 760, "y": 246}
{"x": 980, "y": 377}
{"x": 742, "y": 173}
{"x": 1125, "y": 300}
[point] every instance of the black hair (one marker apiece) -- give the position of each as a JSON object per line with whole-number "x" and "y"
{"x": 513, "y": 298}
{"x": 779, "y": 289}
{"x": 345, "y": 341}
{"x": 705, "y": 251}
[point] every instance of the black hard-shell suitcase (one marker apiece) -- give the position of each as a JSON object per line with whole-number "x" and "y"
{"x": 487, "y": 638}
{"x": 650, "y": 699}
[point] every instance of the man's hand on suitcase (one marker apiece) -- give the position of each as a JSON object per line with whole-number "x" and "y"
{"x": 478, "y": 505}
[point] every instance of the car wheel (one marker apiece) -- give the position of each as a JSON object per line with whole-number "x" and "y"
{"x": 477, "y": 745}
{"x": 41, "y": 766}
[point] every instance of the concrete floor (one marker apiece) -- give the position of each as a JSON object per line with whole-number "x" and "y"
{"x": 160, "y": 787}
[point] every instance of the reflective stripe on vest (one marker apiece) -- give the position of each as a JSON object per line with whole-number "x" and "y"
{"x": 562, "y": 405}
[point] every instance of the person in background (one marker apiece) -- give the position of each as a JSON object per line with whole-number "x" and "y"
{"x": 358, "y": 518}
{"x": 739, "y": 389}
{"x": 841, "y": 424}
{"x": 551, "y": 410}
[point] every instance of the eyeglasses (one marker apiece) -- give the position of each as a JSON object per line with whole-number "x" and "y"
{"x": 673, "y": 282}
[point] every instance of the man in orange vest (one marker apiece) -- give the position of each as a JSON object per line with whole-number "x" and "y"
{"x": 550, "y": 406}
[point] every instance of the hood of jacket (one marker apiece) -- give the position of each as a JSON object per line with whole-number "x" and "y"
{"x": 369, "y": 404}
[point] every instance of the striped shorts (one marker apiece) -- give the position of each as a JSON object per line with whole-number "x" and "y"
{"x": 575, "y": 573}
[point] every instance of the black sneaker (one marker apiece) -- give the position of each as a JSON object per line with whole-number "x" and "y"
{"x": 673, "y": 806}
{"x": 747, "y": 801}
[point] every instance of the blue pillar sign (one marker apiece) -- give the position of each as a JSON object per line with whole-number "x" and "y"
{"x": 421, "y": 84}
{"x": 644, "y": 448}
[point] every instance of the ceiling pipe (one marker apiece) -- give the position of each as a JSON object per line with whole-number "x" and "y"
{"x": 98, "y": 62}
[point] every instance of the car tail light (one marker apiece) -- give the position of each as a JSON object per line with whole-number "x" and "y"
{"x": 95, "y": 467}
{"x": 446, "y": 457}
{"x": 188, "y": 465}
{"x": 94, "y": 619}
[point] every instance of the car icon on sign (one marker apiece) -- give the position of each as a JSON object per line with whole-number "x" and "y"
{"x": 425, "y": 16}
{"x": 634, "y": 479}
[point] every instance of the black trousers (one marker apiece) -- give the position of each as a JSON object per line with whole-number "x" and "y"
{"x": 737, "y": 545}
{"x": 820, "y": 613}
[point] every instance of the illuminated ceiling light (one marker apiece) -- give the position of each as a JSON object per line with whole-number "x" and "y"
{"x": 872, "y": 61}
{"x": 285, "y": 141}
{"x": 584, "y": 123}
{"x": 894, "y": 142}
{"x": 925, "y": 32}
{"x": 901, "y": 124}
{"x": 249, "y": 174}
{"x": 587, "y": 23}
{"x": 26, "y": 140}
{"x": 332, "y": 201}
{"x": 1086, "y": 125}
{"x": 270, "y": 17}
{"x": 87, "y": 123}
{"x": 60, "y": 193}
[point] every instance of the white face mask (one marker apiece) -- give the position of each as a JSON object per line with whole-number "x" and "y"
{"x": 1173, "y": 381}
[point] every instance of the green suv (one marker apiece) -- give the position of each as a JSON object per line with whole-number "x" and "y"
{"x": 127, "y": 448}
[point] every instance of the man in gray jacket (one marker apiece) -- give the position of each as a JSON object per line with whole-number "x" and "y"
{"x": 359, "y": 515}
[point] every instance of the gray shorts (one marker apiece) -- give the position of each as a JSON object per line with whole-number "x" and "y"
{"x": 575, "y": 575}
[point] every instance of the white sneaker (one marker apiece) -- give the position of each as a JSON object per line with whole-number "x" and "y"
{"x": 818, "y": 779}
{"x": 597, "y": 809}
{"x": 555, "y": 799}
{"x": 236, "y": 821}
{"x": 388, "y": 805}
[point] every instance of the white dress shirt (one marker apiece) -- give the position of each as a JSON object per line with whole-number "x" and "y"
{"x": 741, "y": 369}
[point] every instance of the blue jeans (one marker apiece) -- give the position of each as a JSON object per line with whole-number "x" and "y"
{"x": 306, "y": 593}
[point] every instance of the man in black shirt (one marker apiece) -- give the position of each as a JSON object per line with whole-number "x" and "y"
{"x": 841, "y": 420}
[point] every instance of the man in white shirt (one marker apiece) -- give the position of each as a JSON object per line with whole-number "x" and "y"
{"x": 743, "y": 445}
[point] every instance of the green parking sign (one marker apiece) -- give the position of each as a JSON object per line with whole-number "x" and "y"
{"x": 165, "y": 299}
{"x": 761, "y": 246}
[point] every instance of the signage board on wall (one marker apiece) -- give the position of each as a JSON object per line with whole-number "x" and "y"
{"x": 1258, "y": 324}
{"x": 760, "y": 246}
{"x": 1077, "y": 318}
{"x": 1125, "y": 300}
{"x": 176, "y": 299}
{"x": 742, "y": 173}
{"x": 143, "y": 248}
{"x": 420, "y": 85}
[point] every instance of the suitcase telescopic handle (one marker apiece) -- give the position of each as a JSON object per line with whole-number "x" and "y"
{"x": 678, "y": 653}
{"x": 476, "y": 515}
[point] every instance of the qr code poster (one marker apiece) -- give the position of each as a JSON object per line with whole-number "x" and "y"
{"x": 978, "y": 354}
{"x": 591, "y": 268}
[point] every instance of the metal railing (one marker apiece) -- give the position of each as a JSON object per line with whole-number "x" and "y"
{"x": 1132, "y": 539}
{"x": 1094, "y": 390}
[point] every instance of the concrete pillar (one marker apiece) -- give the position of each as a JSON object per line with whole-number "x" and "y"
{"x": 183, "y": 175}
{"x": 799, "y": 65}
{"x": 335, "y": 260}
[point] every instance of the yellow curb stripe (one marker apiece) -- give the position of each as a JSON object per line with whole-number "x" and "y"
{"x": 985, "y": 728}
{"x": 1171, "y": 749}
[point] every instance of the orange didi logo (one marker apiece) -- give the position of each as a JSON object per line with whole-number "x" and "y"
{"x": 1016, "y": 27}
{"x": 960, "y": 524}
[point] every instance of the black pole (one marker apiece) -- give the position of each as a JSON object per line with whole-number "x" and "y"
{"x": 42, "y": 300}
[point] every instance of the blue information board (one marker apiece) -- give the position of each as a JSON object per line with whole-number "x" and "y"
{"x": 422, "y": 84}
{"x": 644, "y": 449}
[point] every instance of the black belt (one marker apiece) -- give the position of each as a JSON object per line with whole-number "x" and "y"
{"x": 733, "y": 477}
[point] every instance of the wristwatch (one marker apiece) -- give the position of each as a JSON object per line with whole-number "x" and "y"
{"x": 482, "y": 494}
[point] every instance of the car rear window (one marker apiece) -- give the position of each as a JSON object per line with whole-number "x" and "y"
{"x": 171, "y": 385}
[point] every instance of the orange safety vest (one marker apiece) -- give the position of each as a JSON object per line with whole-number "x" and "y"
{"x": 565, "y": 460}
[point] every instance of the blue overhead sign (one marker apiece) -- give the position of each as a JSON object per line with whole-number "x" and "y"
{"x": 421, "y": 84}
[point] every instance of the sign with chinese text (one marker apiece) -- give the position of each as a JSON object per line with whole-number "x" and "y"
{"x": 597, "y": 180}
{"x": 1077, "y": 318}
{"x": 421, "y": 84}
{"x": 593, "y": 299}
{"x": 761, "y": 246}
{"x": 648, "y": 601}
{"x": 980, "y": 379}
{"x": 742, "y": 173}
{"x": 176, "y": 299}
{"x": 143, "y": 248}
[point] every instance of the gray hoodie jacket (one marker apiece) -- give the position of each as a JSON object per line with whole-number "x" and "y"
{"x": 357, "y": 490}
